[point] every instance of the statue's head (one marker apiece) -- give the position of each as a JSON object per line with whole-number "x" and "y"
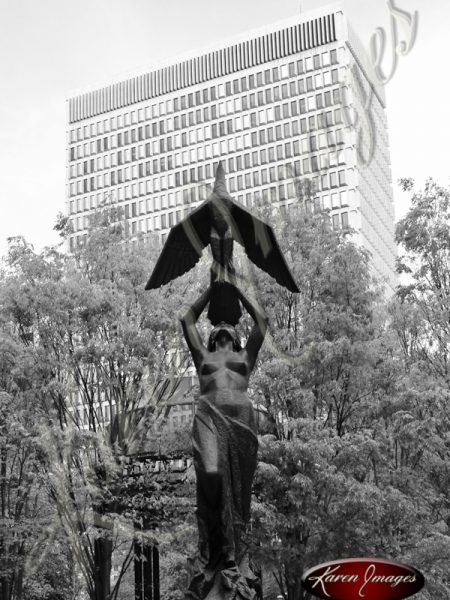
{"x": 224, "y": 337}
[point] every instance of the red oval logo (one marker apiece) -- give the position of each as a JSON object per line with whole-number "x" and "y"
{"x": 362, "y": 579}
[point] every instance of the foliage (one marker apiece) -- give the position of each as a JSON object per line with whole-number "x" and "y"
{"x": 101, "y": 366}
{"x": 354, "y": 463}
{"x": 354, "y": 460}
{"x": 20, "y": 475}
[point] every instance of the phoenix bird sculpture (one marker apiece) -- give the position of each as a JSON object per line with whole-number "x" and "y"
{"x": 218, "y": 222}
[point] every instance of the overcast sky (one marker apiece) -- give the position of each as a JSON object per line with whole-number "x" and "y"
{"x": 53, "y": 49}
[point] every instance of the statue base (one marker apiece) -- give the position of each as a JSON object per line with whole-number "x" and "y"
{"x": 224, "y": 583}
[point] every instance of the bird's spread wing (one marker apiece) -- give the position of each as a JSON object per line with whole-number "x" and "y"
{"x": 261, "y": 246}
{"x": 183, "y": 247}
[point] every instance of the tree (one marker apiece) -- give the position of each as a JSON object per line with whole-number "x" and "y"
{"x": 327, "y": 485}
{"x": 420, "y": 316}
{"x": 21, "y": 505}
{"x": 94, "y": 335}
{"x": 424, "y": 234}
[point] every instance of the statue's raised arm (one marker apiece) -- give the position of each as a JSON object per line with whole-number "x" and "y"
{"x": 189, "y": 325}
{"x": 258, "y": 332}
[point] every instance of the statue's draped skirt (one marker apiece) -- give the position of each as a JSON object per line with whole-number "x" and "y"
{"x": 225, "y": 449}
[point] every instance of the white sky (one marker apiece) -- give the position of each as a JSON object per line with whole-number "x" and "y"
{"x": 51, "y": 50}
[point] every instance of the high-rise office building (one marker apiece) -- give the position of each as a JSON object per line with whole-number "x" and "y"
{"x": 294, "y": 100}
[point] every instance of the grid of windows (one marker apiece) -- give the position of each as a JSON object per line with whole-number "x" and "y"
{"x": 158, "y": 163}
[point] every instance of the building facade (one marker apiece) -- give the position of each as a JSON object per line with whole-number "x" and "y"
{"x": 296, "y": 100}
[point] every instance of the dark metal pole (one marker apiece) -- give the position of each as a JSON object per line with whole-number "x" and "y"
{"x": 138, "y": 580}
{"x": 156, "y": 573}
{"x": 148, "y": 572}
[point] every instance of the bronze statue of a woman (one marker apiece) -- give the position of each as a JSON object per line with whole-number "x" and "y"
{"x": 225, "y": 448}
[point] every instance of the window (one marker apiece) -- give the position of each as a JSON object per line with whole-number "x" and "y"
{"x": 335, "y": 222}
{"x": 333, "y": 180}
{"x": 344, "y": 217}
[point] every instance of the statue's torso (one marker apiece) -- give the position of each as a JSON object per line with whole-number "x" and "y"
{"x": 224, "y": 371}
